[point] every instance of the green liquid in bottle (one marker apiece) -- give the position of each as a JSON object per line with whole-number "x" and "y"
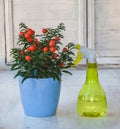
{"x": 92, "y": 99}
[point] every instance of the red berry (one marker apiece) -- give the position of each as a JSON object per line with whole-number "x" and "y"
{"x": 21, "y": 33}
{"x": 32, "y": 48}
{"x": 62, "y": 64}
{"x": 33, "y": 32}
{"x": 28, "y": 58}
{"x": 28, "y": 49}
{"x": 56, "y": 38}
{"x": 45, "y": 49}
{"x": 55, "y": 55}
{"x": 64, "y": 49}
{"x": 27, "y": 35}
{"x": 52, "y": 49}
{"x": 30, "y": 31}
{"x": 36, "y": 40}
{"x": 44, "y": 30}
{"x": 29, "y": 39}
{"x": 52, "y": 43}
{"x": 22, "y": 52}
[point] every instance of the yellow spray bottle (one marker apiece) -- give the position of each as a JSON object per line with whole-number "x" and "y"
{"x": 91, "y": 99}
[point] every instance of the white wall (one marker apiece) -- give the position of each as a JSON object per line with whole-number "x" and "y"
{"x": 107, "y": 28}
{"x": 47, "y": 13}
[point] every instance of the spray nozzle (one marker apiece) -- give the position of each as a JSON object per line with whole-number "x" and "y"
{"x": 84, "y": 52}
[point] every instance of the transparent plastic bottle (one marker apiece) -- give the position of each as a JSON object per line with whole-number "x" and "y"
{"x": 92, "y": 99}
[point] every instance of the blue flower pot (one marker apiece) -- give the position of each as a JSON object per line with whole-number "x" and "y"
{"x": 39, "y": 96}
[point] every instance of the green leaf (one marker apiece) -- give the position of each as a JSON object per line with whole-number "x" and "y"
{"x": 65, "y": 71}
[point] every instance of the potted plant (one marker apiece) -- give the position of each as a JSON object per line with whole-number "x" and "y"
{"x": 40, "y": 61}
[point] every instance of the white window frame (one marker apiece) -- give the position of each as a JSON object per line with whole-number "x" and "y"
{"x": 2, "y": 27}
{"x": 9, "y": 28}
{"x": 105, "y": 61}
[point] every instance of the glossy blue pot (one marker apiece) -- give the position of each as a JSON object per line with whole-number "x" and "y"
{"x": 39, "y": 97}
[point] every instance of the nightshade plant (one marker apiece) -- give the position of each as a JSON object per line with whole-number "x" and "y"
{"x": 42, "y": 55}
